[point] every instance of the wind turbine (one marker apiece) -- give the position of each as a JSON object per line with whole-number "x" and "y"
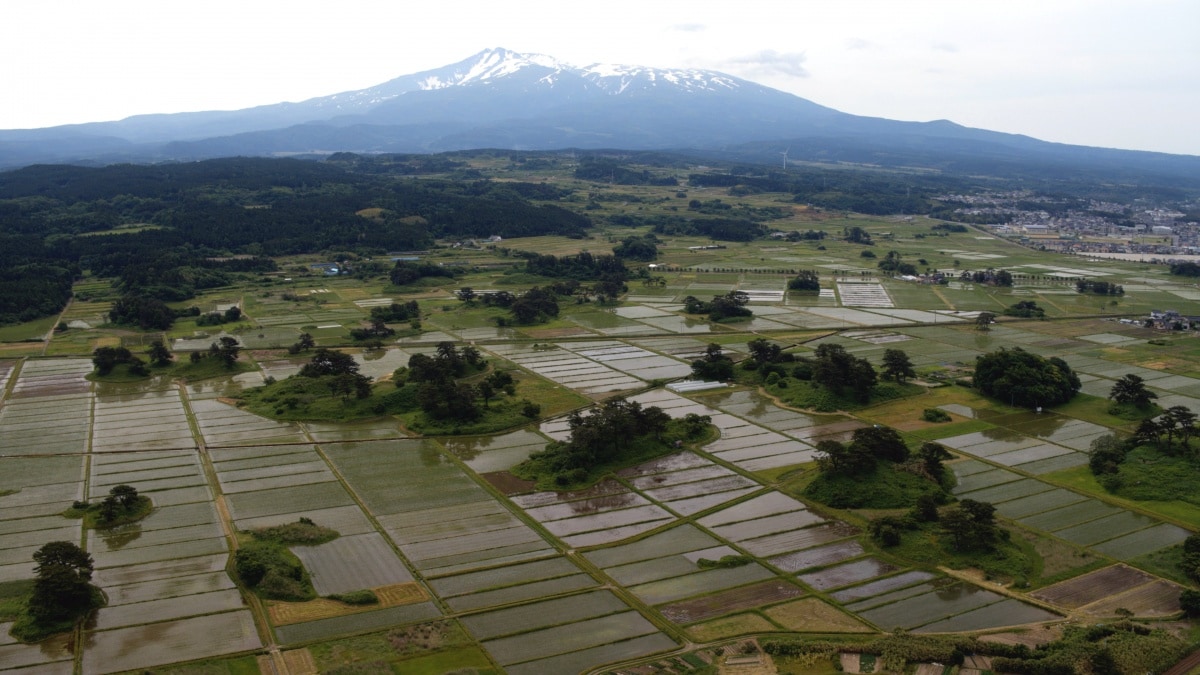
{"x": 784, "y": 153}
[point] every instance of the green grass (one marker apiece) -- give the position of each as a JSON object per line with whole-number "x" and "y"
{"x": 948, "y": 430}
{"x": 272, "y": 571}
{"x": 811, "y": 396}
{"x": 432, "y": 648}
{"x": 13, "y": 595}
{"x": 92, "y": 518}
{"x": 542, "y": 469}
{"x": 29, "y": 331}
{"x": 1010, "y": 559}
{"x": 206, "y": 368}
{"x": 303, "y": 532}
{"x": 884, "y": 488}
{"x": 460, "y": 660}
{"x": 1080, "y": 478}
{"x": 1166, "y": 563}
{"x": 361, "y": 597}
{"x": 238, "y": 665}
{"x": 1099, "y": 411}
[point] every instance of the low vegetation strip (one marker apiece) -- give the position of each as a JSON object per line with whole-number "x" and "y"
{"x": 286, "y": 613}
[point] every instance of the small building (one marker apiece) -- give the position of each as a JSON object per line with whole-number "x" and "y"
{"x": 328, "y": 269}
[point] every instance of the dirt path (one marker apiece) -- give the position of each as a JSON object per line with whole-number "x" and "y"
{"x": 53, "y": 329}
{"x": 253, "y": 602}
{"x": 1187, "y": 665}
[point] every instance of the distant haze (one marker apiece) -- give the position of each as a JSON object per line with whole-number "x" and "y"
{"x": 1117, "y": 73}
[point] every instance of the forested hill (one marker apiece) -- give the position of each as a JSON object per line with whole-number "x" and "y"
{"x": 173, "y": 218}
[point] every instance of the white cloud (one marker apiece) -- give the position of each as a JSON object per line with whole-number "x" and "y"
{"x": 771, "y": 62}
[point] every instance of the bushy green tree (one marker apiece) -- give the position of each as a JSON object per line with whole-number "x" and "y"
{"x": 805, "y": 280}
{"x": 715, "y": 365}
{"x": 61, "y": 588}
{"x": 1131, "y": 389}
{"x": 1025, "y": 379}
{"x": 897, "y": 366}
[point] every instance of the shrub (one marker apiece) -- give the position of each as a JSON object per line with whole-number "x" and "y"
{"x": 935, "y": 415}
{"x": 362, "y": 597}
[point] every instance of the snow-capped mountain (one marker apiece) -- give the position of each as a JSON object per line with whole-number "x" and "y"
{"x": 503, "y": 99}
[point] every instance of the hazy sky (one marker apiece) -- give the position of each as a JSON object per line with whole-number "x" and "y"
{"x": 1113, "y": 73}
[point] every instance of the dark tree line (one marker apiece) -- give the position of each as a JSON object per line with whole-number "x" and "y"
{"x": 1025, "y": 379}
{"x": 732, "y": 305}
{"x": 202, "y": 213}
{"x": 1098, "y": 287}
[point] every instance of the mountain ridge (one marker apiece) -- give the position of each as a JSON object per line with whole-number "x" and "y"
{"x": 502, "y": 99}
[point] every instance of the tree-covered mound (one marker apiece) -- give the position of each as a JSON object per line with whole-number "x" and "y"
{"x": 303, "y": 532}
{"x": 61, "y": 595}
{"x": 122, "y": 505}
{"x": 616, "y": 434}
{"x": 1024, "y": 379}
{"x": 876, "y": 470}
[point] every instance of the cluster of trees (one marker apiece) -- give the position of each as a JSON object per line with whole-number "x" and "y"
{"x": 1185, "y": 269}
{"x": 877, "y": 470}
{"x": 405, "y": 272}
{"x": 303, "y": 343}
{"x": 715, "y": 365}
{"x": 949, "y": 227}
{"x": 805, "y": 280}
{"x": 1025, "y": 379}
{"x": 862, "y": 192}
{"x": 106, "y": 359}
{"x": 226, "y": 350}
{"x": 891, "y": 263}
{"x": 1131, "y": 390}
{"x": 971, "y": 526}
{"x": 732, "y": 305}
{"x": 397, "y": 312}
{"x": 1176, "y": 423}
{"x": 374, "y": 331}
{"x": 340, "y": 373}
{"x": 838, "y": 371}
{"x": 34, "y": 290}
{"x": 533, "y": 306}
{"x": 146, "y": 312}
{"x": 1163, "y": 445}
{"x": 230, "y": 315}
{"x": 1098, "y": 287}
{"x": 991, "y": 277}
{"x": 717, "y": 229}
{"x": 434, "y": 380}
{"x": 867, "y": 446}
{"x": 581, "y": 267}
{"x": 1026, "y": 309}
{"x": 62, "y": 591}
{"x": 857, "y": 235}
{"x": 608, "y": 170}
{"x": 198, "y": 216}
{"x": 120, "y": 504}
{"x": 605, "y": 435}
{"x": 642, "y": 249}
{"x": 897, "y": 367}
{"x": 807, "y": 235}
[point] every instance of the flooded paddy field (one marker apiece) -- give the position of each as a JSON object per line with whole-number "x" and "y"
{"x": 410, "y": 483}
{"x": 530, "y": 576}
{"x": 1111, "y": 530}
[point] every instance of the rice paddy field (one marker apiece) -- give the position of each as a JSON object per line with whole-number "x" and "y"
{"x": 627, "y": 570}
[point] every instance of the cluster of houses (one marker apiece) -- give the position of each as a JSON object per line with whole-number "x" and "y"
{"x": 1169, "y": 319}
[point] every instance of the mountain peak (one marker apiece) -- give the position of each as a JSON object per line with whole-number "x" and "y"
{"x": 484, "y": 66}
